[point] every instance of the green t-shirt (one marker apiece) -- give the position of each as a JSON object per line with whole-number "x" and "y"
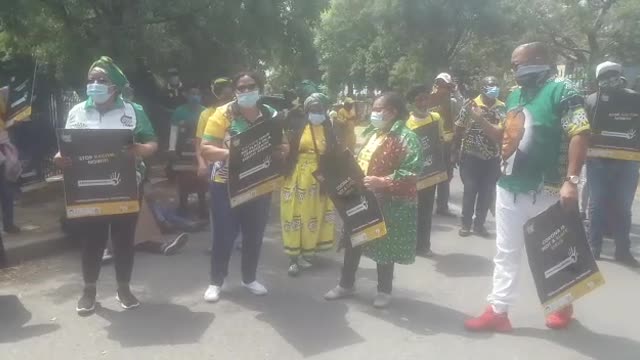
{"x": 536, "y": 133}
{"x": 186, "y": 114}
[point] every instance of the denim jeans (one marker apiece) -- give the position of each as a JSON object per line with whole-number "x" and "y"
{"x": 612, "y": 187}
{"x": 479, "y": 178}
{"x": 250, "y": 219}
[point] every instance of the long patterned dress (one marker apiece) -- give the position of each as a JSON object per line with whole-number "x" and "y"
{"x": 307, "y": 217}
{"x": 396, "y": 155}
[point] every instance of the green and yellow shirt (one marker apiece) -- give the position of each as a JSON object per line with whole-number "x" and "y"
{"x": 537, "y": 130}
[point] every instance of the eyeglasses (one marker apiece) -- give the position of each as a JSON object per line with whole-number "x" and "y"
{"x": 245, "y": 88}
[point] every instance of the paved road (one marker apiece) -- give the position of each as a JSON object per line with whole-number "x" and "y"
{"x": 431, "y": 299}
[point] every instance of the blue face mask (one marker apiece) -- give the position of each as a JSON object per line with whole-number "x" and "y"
{"x": 99, "y": 93}
{"x": 492, "y": 92}
{"x": 377, "y": 119}
{"x": 248, "y": 99}
{"x": 316, "y": 119}
{"x": 194, "y": 99}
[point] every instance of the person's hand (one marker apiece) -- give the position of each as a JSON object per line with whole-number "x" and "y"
{"x": 375, "y": 182}
{"x": 569, "y": 196}
{"x": 476, "y": 112}
{"x": 281, "y": 151}
{"x": 139, "y": 150}
{"x": 61, "y": 162}
{"x": 203, "y": 170}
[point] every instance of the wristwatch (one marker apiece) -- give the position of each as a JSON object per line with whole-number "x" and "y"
{"x": 573, "y": 179}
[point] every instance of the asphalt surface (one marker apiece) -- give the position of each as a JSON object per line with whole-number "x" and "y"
{"x": 431, "y": 299}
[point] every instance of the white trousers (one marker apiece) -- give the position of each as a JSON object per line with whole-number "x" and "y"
{"x": 512, "y": 212}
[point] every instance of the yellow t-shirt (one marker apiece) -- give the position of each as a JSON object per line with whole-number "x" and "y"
{"x": 202, "y": 121}
{"x": 414, "y": 123}
{"x": 306, "y": 140}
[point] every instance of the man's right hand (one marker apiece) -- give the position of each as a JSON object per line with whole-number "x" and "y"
{"x": 61, "y": 162}
{"x": 203, "y": 171}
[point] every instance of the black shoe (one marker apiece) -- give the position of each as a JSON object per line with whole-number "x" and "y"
{"x": 87, "y": 303}
{"x": 464, "y": 232}
{"x": 445, "y": 213}
{"x": 12, "y": 229}
{"x": 628, "y": 260}
{"x": 481, "y": 231}
{"x": 174, "y": 246}
{"x": 126, "y": 299}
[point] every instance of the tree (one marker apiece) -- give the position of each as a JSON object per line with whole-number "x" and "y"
{"x": 212, "y": 37}
{"x": 588, "y": 31}
{"x": 394, "y": 43}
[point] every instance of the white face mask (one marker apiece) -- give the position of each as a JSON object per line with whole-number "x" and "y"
{"x": 316, "y": 119}
{"x": 248, "y": 99}
{"x": 377, "y": 119}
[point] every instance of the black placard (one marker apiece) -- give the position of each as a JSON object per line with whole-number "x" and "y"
{"x": 435, "y": 166}
{"x": 253, "y": 169}
{"x": 615, "y": 126}
{"x": 342, "y": 178}
{"x": 560, "y": 259}
{"x": 102, "y": 177}
{"x": 185, "y": 148}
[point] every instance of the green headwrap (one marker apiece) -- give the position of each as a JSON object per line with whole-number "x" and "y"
{"x": 112, "y": 70}
{"x": 316, "y": 99}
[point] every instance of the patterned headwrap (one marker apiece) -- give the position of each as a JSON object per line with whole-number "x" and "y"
{"x": 316, "y": 99}
{"x": 112, "y": 70}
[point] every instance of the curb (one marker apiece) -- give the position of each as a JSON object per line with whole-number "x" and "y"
{"x": 18, "y": 253}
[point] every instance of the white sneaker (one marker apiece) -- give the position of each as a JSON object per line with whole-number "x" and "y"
{"x": 304, "y": 263}
{"x": 256, "y": 288}
{"x": 212, "y": 294}
{"x": 382, "y": 300}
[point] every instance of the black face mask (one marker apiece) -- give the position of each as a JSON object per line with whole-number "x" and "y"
{"x": 532, "y": 76}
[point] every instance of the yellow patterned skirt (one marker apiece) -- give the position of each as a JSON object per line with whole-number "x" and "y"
{"x": 307, "y": 217}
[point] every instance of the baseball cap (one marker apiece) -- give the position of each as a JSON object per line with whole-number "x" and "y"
{"x": 608, "y": 66}
{"x": 445, "y": 77}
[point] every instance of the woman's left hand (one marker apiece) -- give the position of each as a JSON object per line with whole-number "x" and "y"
{"x": 375, "y": 182}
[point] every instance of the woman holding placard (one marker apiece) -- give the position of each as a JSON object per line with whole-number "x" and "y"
{"x": 249, "y": 219}
{"x": 106, "y": 109}
{"x": 391, "y": 160}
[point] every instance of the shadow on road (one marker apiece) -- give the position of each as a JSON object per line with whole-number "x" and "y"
{"x": 589, "y": 343}
{"x": 312, "y": 326}
{"x": 156, "y": 324}
{"x": 422, "y": 318}
{"x": 13, "y": 319}
{"x": 463, "y": 265}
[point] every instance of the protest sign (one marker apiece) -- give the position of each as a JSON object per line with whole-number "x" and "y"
{"x": 102, "y": 177}
{"x": 615, "y": 126}
{"x": 435, "y": 167}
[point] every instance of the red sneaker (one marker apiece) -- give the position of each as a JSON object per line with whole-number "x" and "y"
{"x": 560, "y": 319}
{"x": 489, "y": 321}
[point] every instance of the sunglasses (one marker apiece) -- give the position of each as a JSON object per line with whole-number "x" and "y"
{"x": 245, "y": 88}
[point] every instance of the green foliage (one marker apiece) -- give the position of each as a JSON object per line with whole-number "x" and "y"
{"x": 210, "y": 37}
{"x": 354, "y": 44}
